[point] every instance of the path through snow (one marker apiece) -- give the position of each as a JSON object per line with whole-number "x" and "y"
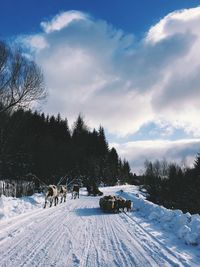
{"x": 78, "y": 234}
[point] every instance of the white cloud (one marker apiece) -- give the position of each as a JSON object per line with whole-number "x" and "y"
{"x": 179, "y": 21}
{"x": 62, "y": 20}
{"x": 36, "y": 42}
{"x": 118, "y": 82}
{"x": 180, "y": 151}
{"x": 80, "y": 64}
{"x": 93, "y": 68}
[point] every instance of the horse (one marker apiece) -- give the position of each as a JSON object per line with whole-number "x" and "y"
{"x": 123, "y": 203}
{"x": 75, "y": 191}
{"x": 51, "y": 195}
{"x": 63, "y": 193}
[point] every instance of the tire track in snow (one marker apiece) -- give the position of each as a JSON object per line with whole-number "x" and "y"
{"x": 151, "y": 244}
{"x": 78, "y": 234}
{"x": 104, "y": 245}
{"x": 116, "y": 243}
{"x": 25, "y": 250}
{"x": 85, "y": 255}
{"x": 100, "y": 246}
{"x": 130, "y": 249}
{"x": 111, "y": 241}
{"x": 40, "y": 242}
{"x": 23, "y": 221}
{"x": 57, "y": 237}
{"x": 54, "y": 240}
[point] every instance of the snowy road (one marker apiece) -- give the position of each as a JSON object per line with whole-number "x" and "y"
{"x": 77, "y": 234}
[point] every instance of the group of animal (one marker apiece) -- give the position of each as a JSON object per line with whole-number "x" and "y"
{"x": 114, "y": 204}
{"x": 54, "y": 192}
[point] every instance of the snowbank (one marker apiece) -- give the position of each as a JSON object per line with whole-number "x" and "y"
{"x": 10, "y": 206}
{"x": 185, "y": 226}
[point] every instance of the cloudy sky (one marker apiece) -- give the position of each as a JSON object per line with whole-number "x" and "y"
{"x": 131, "y": 66}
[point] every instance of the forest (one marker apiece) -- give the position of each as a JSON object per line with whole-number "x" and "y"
{"x": 44, "y": 146}
{"x": 173, "y": 187}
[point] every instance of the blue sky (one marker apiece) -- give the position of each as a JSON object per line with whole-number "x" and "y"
{"x": 131, "y": 66}
{"x": 135, "y": 16}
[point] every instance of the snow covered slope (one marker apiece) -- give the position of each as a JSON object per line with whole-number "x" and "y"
{"x": 77, "y": 233}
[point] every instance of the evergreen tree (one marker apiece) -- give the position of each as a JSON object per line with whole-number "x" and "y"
{"x": 42, "y": 145}
{"x": 177, "y": 188}
{"x": 197, "y": 164}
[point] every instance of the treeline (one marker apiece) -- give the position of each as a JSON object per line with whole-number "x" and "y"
{"x": 46, "y": 147}
{"x": 174, "y": 187}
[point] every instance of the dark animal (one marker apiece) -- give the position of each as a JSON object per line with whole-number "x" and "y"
{"x": 128, "y": 205}
{"x": 123, "y": 203}
{"x": 120, "y": 203}
{"x": 94, "y": 190}
{"x": 75, "y": 191}
{"x": 51, "y": 195}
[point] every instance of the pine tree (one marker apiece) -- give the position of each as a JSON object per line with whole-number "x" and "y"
{"x": 197, "y": 164}
{"x": 103, "y": 145}
{"x": 43, "y": 145}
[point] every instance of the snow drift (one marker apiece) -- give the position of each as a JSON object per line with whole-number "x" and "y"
{"x": 12, "y": 206}
{"x": 185, "y": 226}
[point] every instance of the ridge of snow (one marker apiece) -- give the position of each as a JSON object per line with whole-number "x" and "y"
{"x": 12, "y": 206}
{"x": 184, "y": 225}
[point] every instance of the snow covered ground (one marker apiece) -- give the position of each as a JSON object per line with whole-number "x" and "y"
{"x": 10, "y": 206}
{"x": 77, "y": 233}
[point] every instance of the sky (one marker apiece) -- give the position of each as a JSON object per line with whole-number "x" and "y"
{"x": 130, "y": 66}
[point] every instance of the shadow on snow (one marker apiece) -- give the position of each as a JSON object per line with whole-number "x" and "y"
{"x": 91, "y": 212}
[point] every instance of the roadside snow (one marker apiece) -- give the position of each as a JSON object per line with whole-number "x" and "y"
{"x": 11, "y": 206}
{"x": 184, "y": 226}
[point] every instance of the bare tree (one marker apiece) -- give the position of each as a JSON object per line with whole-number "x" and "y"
{"x": 21, "y": 80}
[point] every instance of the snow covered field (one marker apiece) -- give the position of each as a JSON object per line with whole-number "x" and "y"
{"x": 77, "y": 233}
